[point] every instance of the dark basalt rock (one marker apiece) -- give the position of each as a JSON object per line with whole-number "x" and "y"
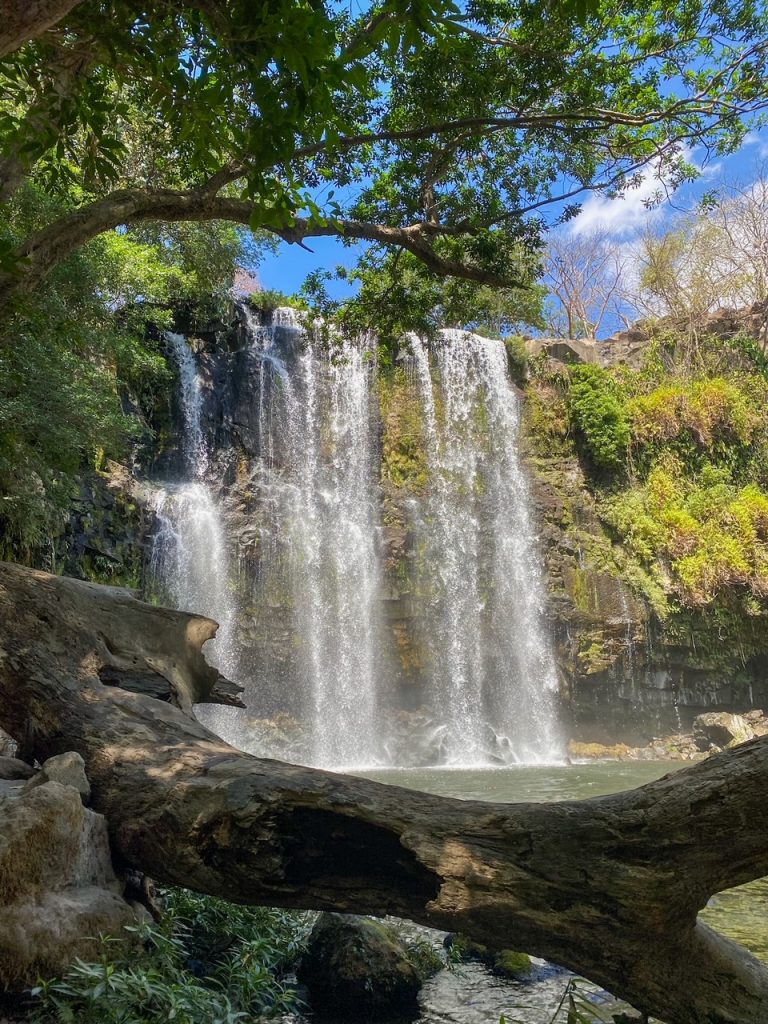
{"x": 357, "y": 969}
{"x": 13, "y": 770}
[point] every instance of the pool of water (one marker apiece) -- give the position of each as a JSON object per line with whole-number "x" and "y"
{"x": 469, "y": 994}
{"x": 537, "y": 783}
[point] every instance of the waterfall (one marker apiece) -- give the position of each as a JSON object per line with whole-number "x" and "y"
{"x": 193, "y": 446}
{"x": 189, "y": 563}
{"x": 494, "y": 680}
{"x": 305, "y": 631}
{"x": 318, "y": 469}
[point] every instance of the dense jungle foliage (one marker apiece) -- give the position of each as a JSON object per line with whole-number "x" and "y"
{"x": 82, "y": 365}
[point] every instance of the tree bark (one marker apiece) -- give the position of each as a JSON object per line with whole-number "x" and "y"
{"x": 609, "y": 887}
{"x": 28, "y": 19}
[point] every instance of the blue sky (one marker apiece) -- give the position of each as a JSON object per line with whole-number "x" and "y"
{"x": 287, "y": 269}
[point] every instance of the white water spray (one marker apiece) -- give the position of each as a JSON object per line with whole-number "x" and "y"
{"x": 319, "y": 461}
{"x": 494, "y": 680}
{"x": 189, "y": 560}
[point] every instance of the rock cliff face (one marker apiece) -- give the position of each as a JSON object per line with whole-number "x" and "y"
{"x": 628, "y": 347}
{"x": 630, "y": 674}
{"x": 626, "y": 676}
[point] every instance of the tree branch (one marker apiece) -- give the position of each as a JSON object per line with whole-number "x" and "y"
{"x": 29, "y": 19}
{"x": 590, "y": 118}
{"x": 48, "y": 247}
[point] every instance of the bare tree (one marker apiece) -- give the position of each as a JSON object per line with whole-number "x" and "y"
{"x": 587, "y": 275}
{"x": 714, "y": 259}
{"x": 741, "y": 219}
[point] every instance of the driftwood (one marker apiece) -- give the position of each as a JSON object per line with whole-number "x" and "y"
{"x": 609, "y": 887}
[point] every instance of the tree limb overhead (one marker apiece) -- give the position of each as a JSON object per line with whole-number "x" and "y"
{"x": 48, "y": 247}
{"x": 28, "y": 19}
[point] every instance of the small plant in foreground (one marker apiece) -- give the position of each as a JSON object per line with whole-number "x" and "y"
{"x": 208, "y": 962}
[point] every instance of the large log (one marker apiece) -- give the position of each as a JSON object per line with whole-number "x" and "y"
{"x": 609, "y": 887}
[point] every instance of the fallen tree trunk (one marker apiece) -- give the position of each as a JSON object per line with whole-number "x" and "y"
{"x": 609, "y": 887}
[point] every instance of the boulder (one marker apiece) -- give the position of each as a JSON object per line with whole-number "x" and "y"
{"x": 565, "y": 350}
{"x": 758, "y": 721}
{"x": 59, "y": 890}
{"x": 719, "y": 729}
{"x": 68, "y": 770}
{"x": 14, "y": 770}
{"x": 358, "y": 969}
{"x": 507, "y": 963}
{"x": 8, "y": 745}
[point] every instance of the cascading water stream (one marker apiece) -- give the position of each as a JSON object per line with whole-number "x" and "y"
{"x": 494, "y": 681}
{"x": 193, "y": 444}
{"x": 189, "y": 561}
{"x": 318, "y": 466}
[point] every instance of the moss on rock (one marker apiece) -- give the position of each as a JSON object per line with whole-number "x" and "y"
{"x": 507, "y": 963}
{"x": 358, "y": 969}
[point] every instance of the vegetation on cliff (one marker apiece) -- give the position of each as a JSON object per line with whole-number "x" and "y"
{"x": 79, "y": 371}
{"x": 676, "y": 456}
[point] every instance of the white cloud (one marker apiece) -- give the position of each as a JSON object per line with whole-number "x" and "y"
{"x": 620, "y": 217}
{"x": 759, "y": 140}
{"x": 626, "y": 214}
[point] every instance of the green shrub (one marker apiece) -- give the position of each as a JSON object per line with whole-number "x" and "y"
{"x": 268, "y": 300}
{"x": 209, "y": 962}
{"x": 704, "y": 534}
{"x": 517, "y": 358}
{"x": 707, "y": 410}
{"x": 598, "y": 416}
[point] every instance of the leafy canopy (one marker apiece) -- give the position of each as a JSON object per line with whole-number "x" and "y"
{"x": 446, "y": 129}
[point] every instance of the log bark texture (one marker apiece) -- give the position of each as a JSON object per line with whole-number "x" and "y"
{"x": 609, "y": 887}
{"x": 28, "y": 19}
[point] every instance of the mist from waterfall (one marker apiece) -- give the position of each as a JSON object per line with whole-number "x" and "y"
{"x": 494, "y": 682}
{"x": 318, "y": 469}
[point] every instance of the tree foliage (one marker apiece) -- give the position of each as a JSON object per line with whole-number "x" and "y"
{"x": 443, "y": 135}
{"x": 396, "y": 293}
{"x": 413, "y": 123}
{"x": 598, "y": 416}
